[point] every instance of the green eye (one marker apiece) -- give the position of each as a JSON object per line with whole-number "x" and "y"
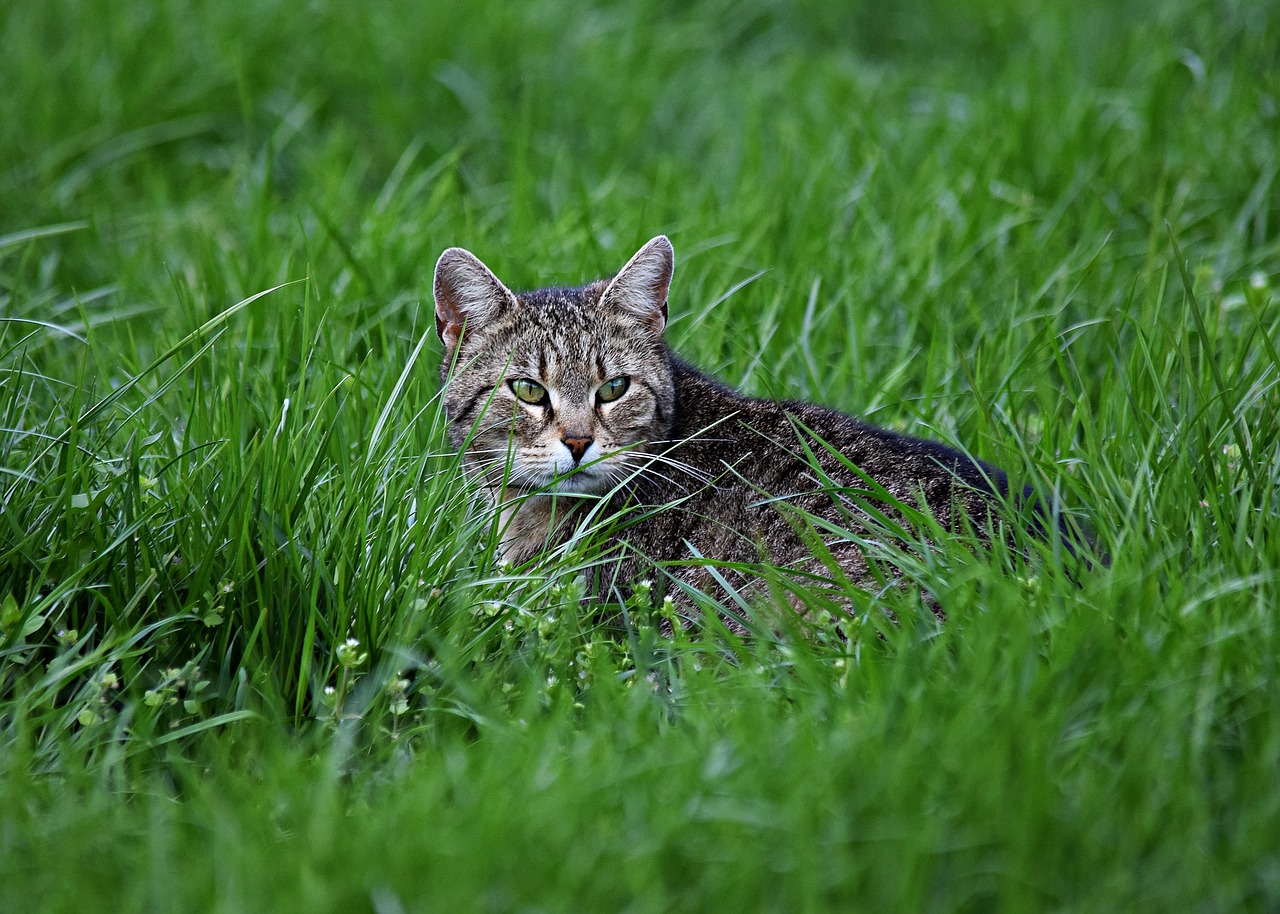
{"x": 613, "y": 389}
{"x": 529, "y": 391}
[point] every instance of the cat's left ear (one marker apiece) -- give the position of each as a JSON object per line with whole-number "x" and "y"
{"x": 641, "y": 287}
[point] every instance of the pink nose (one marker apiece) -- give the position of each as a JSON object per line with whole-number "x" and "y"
{"x": 577, "y": 446}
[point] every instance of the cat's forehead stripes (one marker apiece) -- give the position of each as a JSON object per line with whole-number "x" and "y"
{"x": 565, "y": 315}
{"x": 567, "y": 336}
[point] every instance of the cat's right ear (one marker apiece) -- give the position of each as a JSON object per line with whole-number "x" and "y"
{"x": 467, "y": 293}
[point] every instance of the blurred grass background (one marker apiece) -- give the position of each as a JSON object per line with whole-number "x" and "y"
{"x": 967, "y": 220}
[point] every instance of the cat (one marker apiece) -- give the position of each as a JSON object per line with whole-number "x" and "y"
{"x": 570, "y": 408}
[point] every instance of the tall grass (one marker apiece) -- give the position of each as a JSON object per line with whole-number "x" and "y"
{"x": 255, "y": 652}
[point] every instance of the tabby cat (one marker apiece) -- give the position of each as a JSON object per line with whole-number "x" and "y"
{"x": 571, "y": 409}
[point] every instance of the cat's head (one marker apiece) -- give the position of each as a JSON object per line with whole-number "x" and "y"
{"x": 560, "y": 390}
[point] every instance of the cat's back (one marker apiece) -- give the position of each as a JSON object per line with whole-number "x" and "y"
{"x": 768, "y": 440}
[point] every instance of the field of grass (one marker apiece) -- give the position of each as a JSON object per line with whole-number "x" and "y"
{"x": 255, "y": 652}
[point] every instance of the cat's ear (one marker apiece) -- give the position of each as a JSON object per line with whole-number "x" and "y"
{"x": 466, "y": 292}
{"x": 641, "y": 286}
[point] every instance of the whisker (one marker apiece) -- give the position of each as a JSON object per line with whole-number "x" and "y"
{"x": 648, "y": 475}
{"x": 651, "y": 469}
{"x": 681, "y": 466}
{"x": 692, "y": 438}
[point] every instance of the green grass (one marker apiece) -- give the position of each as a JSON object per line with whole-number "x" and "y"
{"x": 1048, "y": 232}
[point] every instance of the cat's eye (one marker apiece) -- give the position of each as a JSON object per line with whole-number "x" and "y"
{"x": 529, "y": 391}
{"x": 613, "y": 389}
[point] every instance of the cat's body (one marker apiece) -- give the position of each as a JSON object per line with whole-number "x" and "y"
{"x": 571, "y": 408}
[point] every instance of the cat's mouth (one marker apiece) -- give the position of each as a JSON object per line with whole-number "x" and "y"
{"x": 589, "y": 479}
{"x": 585, "y": 480}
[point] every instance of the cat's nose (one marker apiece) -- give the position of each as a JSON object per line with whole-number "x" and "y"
{"x": 577, "y": 446}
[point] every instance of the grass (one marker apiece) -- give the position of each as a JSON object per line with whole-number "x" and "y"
{"x": 1046, "y": 232}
